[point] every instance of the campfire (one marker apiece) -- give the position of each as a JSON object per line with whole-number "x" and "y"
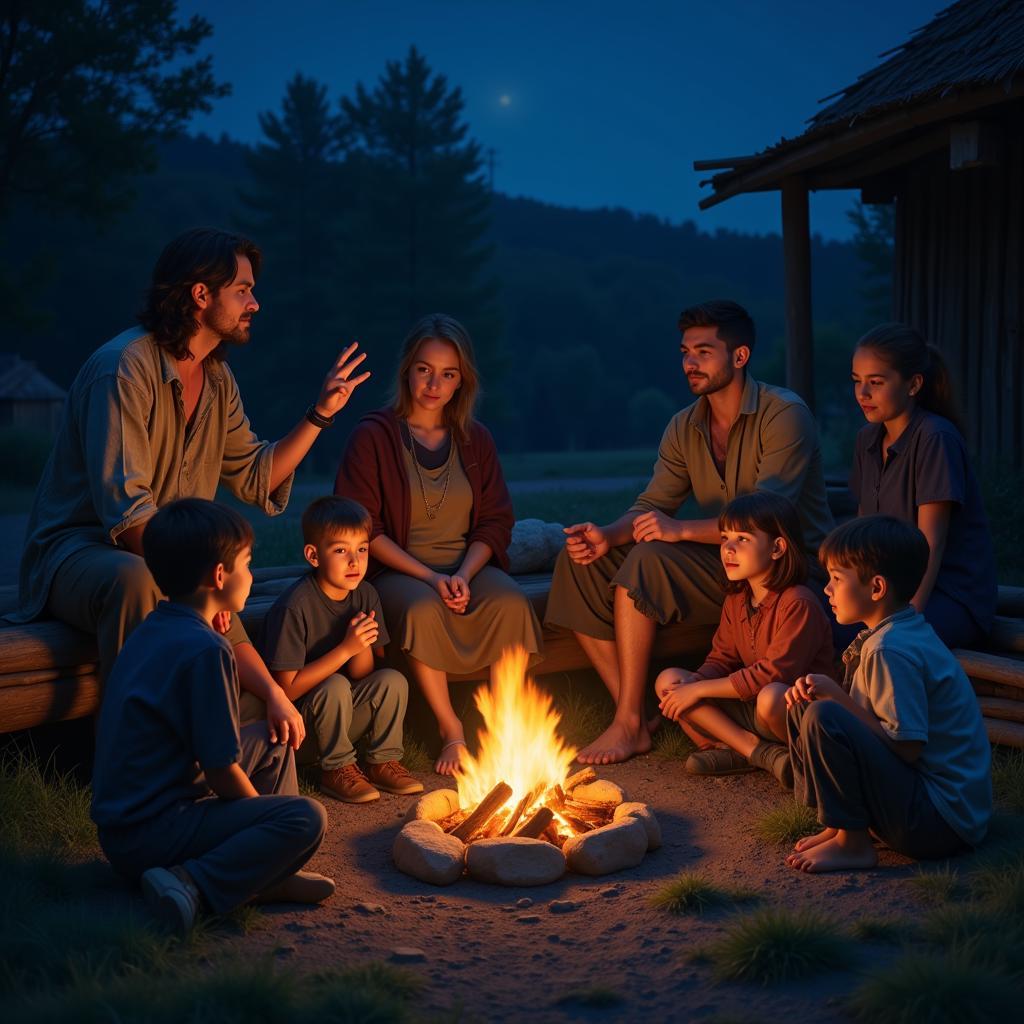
{"x": 520, "y": 815}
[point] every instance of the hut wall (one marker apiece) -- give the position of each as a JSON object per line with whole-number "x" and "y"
{"x": 958, "y": 279}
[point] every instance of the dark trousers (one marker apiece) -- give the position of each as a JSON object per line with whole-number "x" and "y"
{"x": 232, "y": 849}
{"x": 853, "y": 780}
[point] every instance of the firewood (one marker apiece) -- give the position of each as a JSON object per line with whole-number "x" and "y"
{"x": 535, "y": 824}
{"x": 559, "y": 795}
{"x": 484, "y": 811}
{"x": 578, "y": 823}
{"x": 550, "y": 833}
{"x": 584, "y": 809}
{"x": 517, "y": 813}
{"x": 453, "y": 819}
{"x": 584, "y": 775}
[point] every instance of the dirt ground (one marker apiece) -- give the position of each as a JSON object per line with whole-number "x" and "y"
{"x": 488, "y": 958}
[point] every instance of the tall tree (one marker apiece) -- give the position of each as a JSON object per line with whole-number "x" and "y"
{"x": 422, "y": 205}
{"x": 874, "y": 230}
{"x": 87, "y": 88}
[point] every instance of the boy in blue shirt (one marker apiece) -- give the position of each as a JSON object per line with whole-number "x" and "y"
{"x": 899, "y": 749}
{"x": 318, "y": 642}
{"x": 202, "y": 813}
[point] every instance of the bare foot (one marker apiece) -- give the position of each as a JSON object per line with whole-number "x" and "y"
{"x": 846, "y": 851}
{"x": 617, "y": 743}
{"x": 450, "y": 758}
{"x": 816, "y": 840}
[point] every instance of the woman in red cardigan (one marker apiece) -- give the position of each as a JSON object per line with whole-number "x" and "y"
{"x": 429, "y": 475}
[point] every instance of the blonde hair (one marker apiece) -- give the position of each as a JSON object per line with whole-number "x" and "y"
{"x": 458, "y": 413}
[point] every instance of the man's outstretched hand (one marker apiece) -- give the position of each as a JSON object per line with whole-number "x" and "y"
{"x": 339, "y": 383}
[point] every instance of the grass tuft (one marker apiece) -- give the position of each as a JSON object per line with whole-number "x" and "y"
{"x": 1008, "y": 778}
{"x": 887, "y": 929}
{"x": 935, "y": 887}
{"x": 692, "y": 892}
{"x": 774, "y": 945}
{"x": 672, "y": 744}
{"x": 787, "y": 823}
{"x": 583, "y": 716}
{"x": 927, "y": 989}
{"x": 1000, "y": 885}
{"x": 416, "y": 758}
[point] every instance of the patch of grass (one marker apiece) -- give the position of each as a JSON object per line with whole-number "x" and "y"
{"x": 921, "y": 988}
{"x": 935, "y": 887}
{"x": 584, "y": 714}
{"x": 887, "y": 929}
{"x": 990, "y": 939}
{"x": 43, "y": 810}
{"x": 1000, "y": 885}
{"x": 774, "y": 945}
{"x": 672, "y": 744}
{"x": 416, "y": 758}
{"x": 597, "y": 998}
{"x": 787, "y": 823}
{"x": 1008, "y": 778}
{"x": 692, "y": 892}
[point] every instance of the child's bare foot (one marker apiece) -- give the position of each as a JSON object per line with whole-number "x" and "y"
{"x": 816, "y": 840}
{"x": 845, "y": 851}
{"x": 617, "y": 743}
{"x": 449, "y": 760}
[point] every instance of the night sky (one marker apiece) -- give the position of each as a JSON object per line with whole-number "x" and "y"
{"x": 586, "y": 104}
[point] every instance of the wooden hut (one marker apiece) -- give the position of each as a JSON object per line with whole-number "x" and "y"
{"x": 938, "y": 129}
{"x": 29, "y": 400}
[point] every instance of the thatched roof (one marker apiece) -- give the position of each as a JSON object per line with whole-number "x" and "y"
{"x": 22, "y": 382}
{"x": 972, "y": 43}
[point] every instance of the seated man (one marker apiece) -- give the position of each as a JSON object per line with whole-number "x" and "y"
{"x": 155, "y": 415}
{"x": 613, "y": 585}
{"x": 177, "y": 791}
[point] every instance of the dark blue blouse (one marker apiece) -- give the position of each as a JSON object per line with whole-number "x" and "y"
{"x": 929, "y": 462}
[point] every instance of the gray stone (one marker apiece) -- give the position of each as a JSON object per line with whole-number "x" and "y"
{"x": 642, "y": 813}
{"x": 369, "y": 908}
{"x": 422, "y": 850}
{"x": 408, "y": 955}
{"x": 524, "y": 903}
{"x": 600, "y": 792}
{"x": 563, "y": 906}
{"x": 622, "y": 844}
{"x": 535, "y": 546}
{"x": 434, "y": 806}
{"x": 528, "y": 919}
{"x": 515, "y": 861}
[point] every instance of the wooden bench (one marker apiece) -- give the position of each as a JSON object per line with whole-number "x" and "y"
{"x": 48, "y": 669}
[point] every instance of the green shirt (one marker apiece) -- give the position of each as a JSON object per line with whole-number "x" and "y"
{"x": 773, "y": 446}
{"x": 123, "y": 450}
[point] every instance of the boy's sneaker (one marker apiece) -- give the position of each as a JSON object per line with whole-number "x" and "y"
{"x": 349, "y": 784}
{"x": 393, "y": 777}
{"x": 774, "y": 758}
{"x": 173, "y": 898}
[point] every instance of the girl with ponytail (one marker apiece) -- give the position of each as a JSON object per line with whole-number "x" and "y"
{"x": 911, "y": 462}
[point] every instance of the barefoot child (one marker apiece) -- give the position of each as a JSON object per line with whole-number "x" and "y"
{"x": 318, "y": 643}
{"x": 176, "y": 788}
{"x": 773, "y": 629}
{"x": 899, "y": 749}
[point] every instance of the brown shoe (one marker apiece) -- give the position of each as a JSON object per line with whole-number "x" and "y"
{"x": 393, "y": 777}
{"x": 348, "y": 783}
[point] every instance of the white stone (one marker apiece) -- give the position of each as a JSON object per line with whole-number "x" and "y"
{"x": 435, "y": 806}
{"x": 422, "y": 850}
{"x": 622, "y": 844}
{"x": 642, "y": 813}
{"x": 600, "y": 792}
{"x": 535, "y": 546}
{"x": 515, "y": 861}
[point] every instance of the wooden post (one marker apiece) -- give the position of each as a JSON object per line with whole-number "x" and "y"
{"x": 796, "y": 246}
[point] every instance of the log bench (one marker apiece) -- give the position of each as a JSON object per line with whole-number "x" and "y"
{"x": 48, "y": 669}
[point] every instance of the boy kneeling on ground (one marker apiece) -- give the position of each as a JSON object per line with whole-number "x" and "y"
{"x": 178, "y": 790}
{"x": 899, "y": 751}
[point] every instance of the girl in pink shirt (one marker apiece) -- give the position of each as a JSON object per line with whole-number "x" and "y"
{"x": 773, "y": 629}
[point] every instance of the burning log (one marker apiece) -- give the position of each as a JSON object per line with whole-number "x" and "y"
{"x": 485, "y": 810}
{"x": 559, "y": 795}
{"x": 579, "y": 824}
{"x": 591, "y": 811}
{"x": 535, "y": 825}
{"x": 517, "y": 813}
{"x": 581, "y": 777}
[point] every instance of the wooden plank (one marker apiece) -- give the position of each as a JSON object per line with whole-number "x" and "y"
{"x": 992, "y": 668}
{"x": 1006, "y": 734}
{"x": 1001, "y": 708}
{"x": 796, "y": 245}
{"x": 1007, "y": 634}
{"x": 23, "y": 707}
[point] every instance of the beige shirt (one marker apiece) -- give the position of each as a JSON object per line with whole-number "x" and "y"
{"x": 773, "y": 446}
{"x": 122, "y": 451}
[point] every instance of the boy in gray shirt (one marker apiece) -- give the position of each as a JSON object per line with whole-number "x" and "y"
{"x": 899, "y": 750}
{"x": 318, "y": 643}
{"x": 178, "y": 790}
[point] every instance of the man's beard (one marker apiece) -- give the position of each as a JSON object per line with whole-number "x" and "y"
{"x": 709, "y": 385}
{"x": 231, "y": 332}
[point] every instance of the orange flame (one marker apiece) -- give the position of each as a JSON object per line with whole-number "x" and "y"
{"x": 519, "y": 743}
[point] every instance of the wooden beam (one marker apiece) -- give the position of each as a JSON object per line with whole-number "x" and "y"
{"x": 854, "y": 174}
{"x": 722, "y": 162}
{"x": 835, "y": 142}
{"x": 796, "y": 245}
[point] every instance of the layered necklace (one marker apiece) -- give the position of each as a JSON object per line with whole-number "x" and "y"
{"x": 431, "y": 508}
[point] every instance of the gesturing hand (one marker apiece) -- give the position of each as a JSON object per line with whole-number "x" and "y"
{"x": 362, "y": 631}
{"x": 585, "y": 542}
{"x": 656, "y": 525}
{"x": 339, "y": 383}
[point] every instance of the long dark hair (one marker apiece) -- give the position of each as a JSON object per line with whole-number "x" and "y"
{"x": 201, "y": 254}
{"x": 908, "y": 354}
{"x": 776, "y": 516}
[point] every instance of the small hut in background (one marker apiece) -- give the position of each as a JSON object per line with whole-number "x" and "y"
{"x": 29, "y": 401}
{"x": 937, "y": 129}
